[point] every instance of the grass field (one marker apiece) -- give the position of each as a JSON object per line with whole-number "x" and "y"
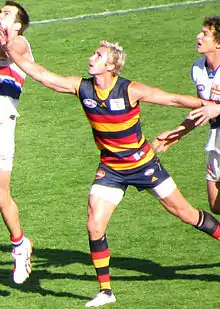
{"x": 157, "y": 262}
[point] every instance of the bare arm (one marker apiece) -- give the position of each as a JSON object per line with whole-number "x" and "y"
{"x": 196, "y": 117}
{"x": 168, "y": 138}
{"x": 144, "y": 93}
{"x": 37, "y": 72}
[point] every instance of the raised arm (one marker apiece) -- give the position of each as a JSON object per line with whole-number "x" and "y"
{"x": 59, "y": 83}
{"x": 21, "y": 45}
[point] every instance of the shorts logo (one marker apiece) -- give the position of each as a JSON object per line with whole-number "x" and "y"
{"x": 90, "y": 103}
{"x": 149, "y": 172}
{"x": 100, "y": 174}
{"x": 200, "y": 87}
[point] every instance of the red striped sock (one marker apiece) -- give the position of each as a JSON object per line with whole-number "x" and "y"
{"x": 100, "y": 254}
{"x": 17, "y": 241}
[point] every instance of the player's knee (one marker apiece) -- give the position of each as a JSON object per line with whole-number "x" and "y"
{"x": 95, "y": 228}
{"x": 4, "y": 199}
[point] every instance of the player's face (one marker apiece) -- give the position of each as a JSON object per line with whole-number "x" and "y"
{"x": 205, "y": 41}
{"x": 8, "y": 15}
{"x": 98, "y": 61}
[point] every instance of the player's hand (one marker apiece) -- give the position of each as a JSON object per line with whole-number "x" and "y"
{"x": 204, "y": 113}
{"x": 163, "y": 141}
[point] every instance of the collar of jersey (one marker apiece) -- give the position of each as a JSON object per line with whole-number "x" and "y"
{"x": 104, "y": 93}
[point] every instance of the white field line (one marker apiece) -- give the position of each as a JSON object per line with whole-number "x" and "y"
{"x": 121, "y": 12}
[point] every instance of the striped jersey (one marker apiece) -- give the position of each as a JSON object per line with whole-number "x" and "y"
{"x": 208, "y": 88}
{"x": 115, "y": 124}
{"x": 11, "y": 84}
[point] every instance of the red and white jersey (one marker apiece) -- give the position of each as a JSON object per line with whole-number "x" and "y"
{"x": 208, "y": 88}
{"x": 11, "y": 83}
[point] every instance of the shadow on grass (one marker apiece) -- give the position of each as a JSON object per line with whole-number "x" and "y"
{"x": 43, "y": 259}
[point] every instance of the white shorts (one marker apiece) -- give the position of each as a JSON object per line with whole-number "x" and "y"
{"x": 213, "y": 168}
{"x": 115, "y": 195}
{"x": 112, "y": 195}
{"x": 164, "y": 189}
{"x": 7, "y": 142}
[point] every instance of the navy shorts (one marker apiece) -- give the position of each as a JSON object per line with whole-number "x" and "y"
{"x": 144, "y": 177}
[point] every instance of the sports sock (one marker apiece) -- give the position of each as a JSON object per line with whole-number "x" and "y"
{"x": 16, "y": 242}
{"x": 208, "y": 224}
{"x": 100, "y": 254}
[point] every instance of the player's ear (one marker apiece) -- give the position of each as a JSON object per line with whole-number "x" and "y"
{"x": 110, "y": 67}
{"x": 17, "y": 26}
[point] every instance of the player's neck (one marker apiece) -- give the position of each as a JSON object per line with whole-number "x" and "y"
{"x": 213, "y": 61}
{"x": 104, "y": 81}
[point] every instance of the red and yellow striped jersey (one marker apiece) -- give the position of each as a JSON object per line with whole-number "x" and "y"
{"x": 115, "y": 124}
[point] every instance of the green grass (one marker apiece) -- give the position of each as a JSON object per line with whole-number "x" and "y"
{"x": 157, "y": 262}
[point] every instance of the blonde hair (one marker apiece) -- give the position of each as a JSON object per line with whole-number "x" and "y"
{"x": 116, "y": 56}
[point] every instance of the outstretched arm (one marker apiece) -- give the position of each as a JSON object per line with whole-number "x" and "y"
{"x": 144, "y": 93}
{"x": 66, "y": 84}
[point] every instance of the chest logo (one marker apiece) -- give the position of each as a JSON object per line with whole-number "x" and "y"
{"x": 117, "y": 104}
{"x": 90, "y": 103}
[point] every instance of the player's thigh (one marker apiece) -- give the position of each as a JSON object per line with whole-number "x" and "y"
{"x": 7, "y": 143}
{"x": 173, "y": 200}
{"x": 5, "y": 177}
{"x": 102, "y": 202}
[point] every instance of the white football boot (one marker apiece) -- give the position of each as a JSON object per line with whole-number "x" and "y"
{"x": 22, "y": 261}
{"x": 101, "y": 299}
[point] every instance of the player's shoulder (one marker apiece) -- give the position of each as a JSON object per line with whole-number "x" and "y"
{"x": 22, "y": 40}
{"x": 23, "y": 46}
{"x": 197, "y": 68}
{"x": 199, "y": 63}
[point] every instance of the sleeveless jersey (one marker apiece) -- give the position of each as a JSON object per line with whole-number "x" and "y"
{"x": 115, "y": 125}
{"x": 11, "y": 83}
{"x": 208, "y": 88}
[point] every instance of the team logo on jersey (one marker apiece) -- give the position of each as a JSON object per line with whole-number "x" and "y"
{"x": 100, "y": 174}
{"x": 90, "y": 103}
{"x": 149, "y": 172}
{"x": 117, "y": 104}
{"x": 200, "y": 87}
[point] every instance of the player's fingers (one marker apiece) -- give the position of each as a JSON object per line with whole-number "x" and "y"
{"x": 156, "y": 144}
{"x": 201, "y": 121}
{"x": 163, "y": 135}
{"x": 197, "y": 114}
{"x": 194, "y": 111}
